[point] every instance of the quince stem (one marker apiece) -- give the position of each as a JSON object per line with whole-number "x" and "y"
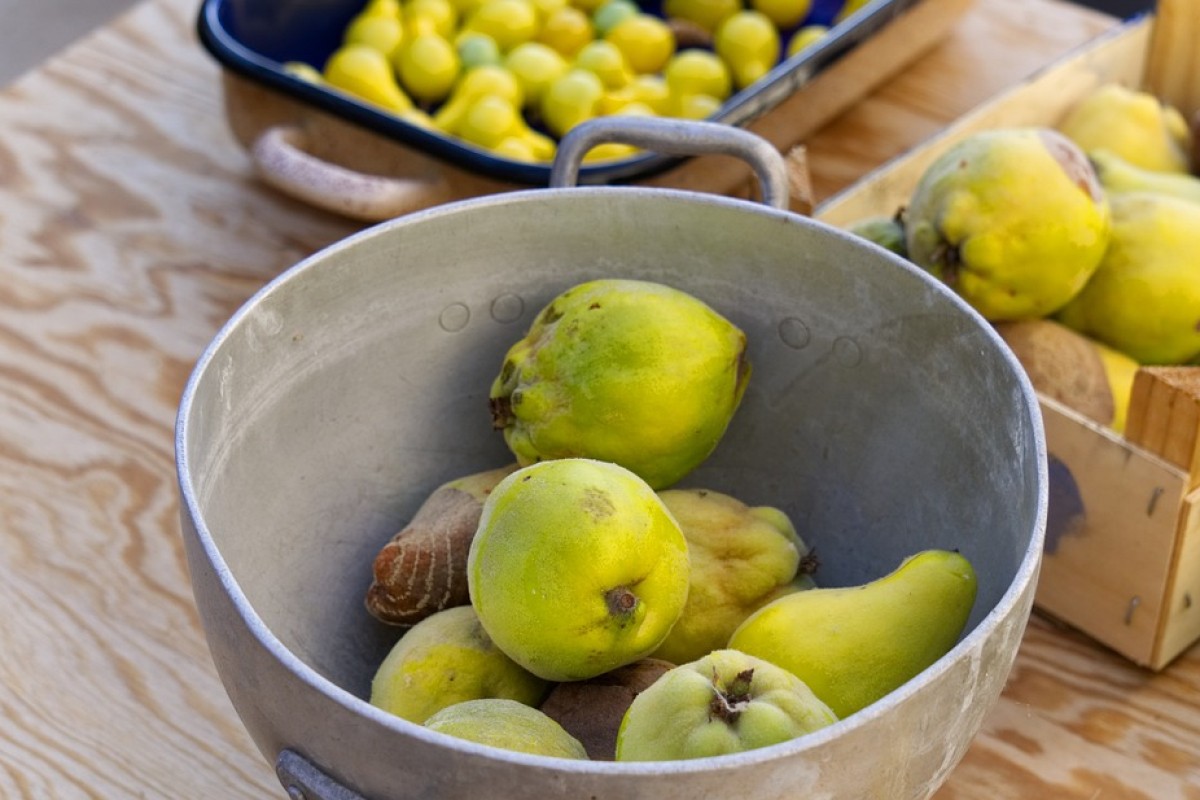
{"x": 948, "y": 258}
{"x": 728, "y": 705}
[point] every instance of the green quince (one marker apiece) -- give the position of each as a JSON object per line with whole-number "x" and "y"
{"x": 445, "y": 659}
{"x": 726, "y": 702}
{"x": 577, "y": 568}
{"x": 508, "y": 725}
{"x": 632, "y": 372}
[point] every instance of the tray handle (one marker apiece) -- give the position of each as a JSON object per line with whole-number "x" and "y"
{"x": 282, "y": 160}
{"x": 675, "y": 137}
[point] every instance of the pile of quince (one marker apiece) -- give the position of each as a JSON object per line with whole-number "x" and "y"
{"x": 513, "y": 76}
{"x": 581, "y": 603}
{"x": 1079, "y": 242}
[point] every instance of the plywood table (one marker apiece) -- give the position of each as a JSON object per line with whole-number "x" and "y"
{"x": 131, "y": 228}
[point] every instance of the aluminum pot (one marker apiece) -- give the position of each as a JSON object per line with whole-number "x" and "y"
{"x": 883, "y": 415}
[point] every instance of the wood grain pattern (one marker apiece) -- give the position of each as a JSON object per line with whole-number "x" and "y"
{"x": 131, "y": 227}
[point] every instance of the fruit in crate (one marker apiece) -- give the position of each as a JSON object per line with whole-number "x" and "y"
{"x": 1134, "y": 125}
{"x": 508, "y": 725}
{"x": 726, "y": 702}
{"x": 1076, "y": 370}
{"x": 446, "y": 659}
{"x": 740, "y": 558}
{"x": 577, "y": 568}
{"x": 632, "y": 372}
{"x": 1144, "y": 300}
{"x": 1014, "y": 220}
{"x": 1117, "y": 175}
{"x": 853, "y": 645}
{"x": 885, "y": 231}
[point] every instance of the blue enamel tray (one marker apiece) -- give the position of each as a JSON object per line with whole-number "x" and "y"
{"x": 254, "y": 38}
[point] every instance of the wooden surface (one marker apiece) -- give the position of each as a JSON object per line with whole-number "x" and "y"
{"x": 131, "y": 228}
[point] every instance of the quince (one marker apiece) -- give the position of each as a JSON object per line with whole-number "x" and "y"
{"x": 508, "y": 725}
{"x": 853, "y": 645}
{"x": 632, "y": 372}
{"x": 446, "y": 659}
{"x": 577, "y": 568}
{"x": 726, "y": 702}
{"x": 1134, "y": 125}
{"x": 1144, "y": 300}
{"x": 741, "y": 558}
{"x": 1013, "y": 220}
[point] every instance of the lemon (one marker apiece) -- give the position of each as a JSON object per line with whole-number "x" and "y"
{"x": 693, "y": 71}
{"x": 466, "y": 7}
{"x": 366, "y": 73}
{"x": 606, "y": 61}
{"x": 749, "y": 43}
{"x": 645, "y": 40}
{"x": 388, "y": 8}
{"x": 695, "y": 106}
{"x": 708, "y": 14}
{"x": 607, "y": 16}
{"x": 384, "y": 33}
{"x": 428, "y": 67}
{"x": 648, "y": 91}
{"x": 806, "y": 37}
{"x": 489, "y": 120}
{"x": 535, "y": 66}
{"x": 784, "y": 13}
{"x": 570, "y": 100}
{"x": 305, "y": 72}
{"x": 477, "y": 49}
{"x": 849, "y": 9}
{"x": 545, "y": 8}
{"x": 438, "y": 16}
{"x": 509, "y": 22}
{"x": 515, "y": 148}
{"x": 483, "y": 80}
{"x": 567, "y": 31}
{"x": 587, "y": 5}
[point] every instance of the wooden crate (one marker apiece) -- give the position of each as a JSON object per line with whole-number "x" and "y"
{"x": 1122, "y": 556}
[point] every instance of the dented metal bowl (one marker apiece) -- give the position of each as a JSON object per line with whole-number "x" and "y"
{"x": 884, "y": 416}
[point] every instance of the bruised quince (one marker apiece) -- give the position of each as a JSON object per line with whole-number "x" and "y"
{"x": 632, "y": 372}
{"x": 740, "y": 558}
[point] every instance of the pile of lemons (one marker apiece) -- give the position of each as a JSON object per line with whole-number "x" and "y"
{"x": 512, "y": 76}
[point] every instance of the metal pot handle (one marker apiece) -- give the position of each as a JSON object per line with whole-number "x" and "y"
{"x": 674, "y": 137}
{"x": 302, "y": 780}
{"x": 280, "y": 157}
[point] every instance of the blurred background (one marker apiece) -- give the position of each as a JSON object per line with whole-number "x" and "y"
{"x": 32, "y": 30}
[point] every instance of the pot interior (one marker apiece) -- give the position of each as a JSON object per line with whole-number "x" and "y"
{"x": 881, "y": 415}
